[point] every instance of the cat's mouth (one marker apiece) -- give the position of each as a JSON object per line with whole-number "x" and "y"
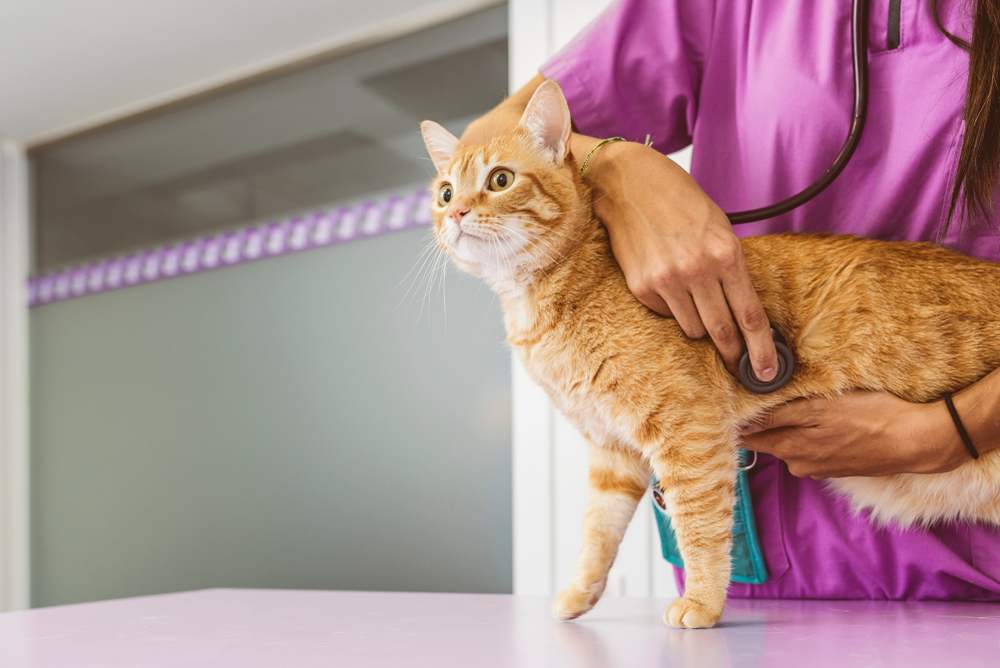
{"x": 482, "y": 250}
{"x": 463, "y": 233}
{"x": 464, "y": 238}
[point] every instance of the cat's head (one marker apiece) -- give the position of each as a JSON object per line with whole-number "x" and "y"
{"x": 505, "y": 209}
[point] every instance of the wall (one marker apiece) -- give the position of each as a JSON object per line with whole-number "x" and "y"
{"x": 550, "y": 464}
{"x": 14, "y": 252}
{"x": 304, "y": 421}
{"x": 293, "y": 422}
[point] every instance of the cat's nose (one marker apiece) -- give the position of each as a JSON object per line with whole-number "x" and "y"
{"x": 456, "y": 213}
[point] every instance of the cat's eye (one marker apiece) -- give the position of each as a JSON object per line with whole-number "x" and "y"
{"x": 444, "y": 194}
{"x": 501, "y": 179}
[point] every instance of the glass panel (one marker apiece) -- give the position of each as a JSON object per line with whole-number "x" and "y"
{"x": 293, "y": 423}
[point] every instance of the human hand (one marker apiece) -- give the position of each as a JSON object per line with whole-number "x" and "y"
{"x": 858, "y": 433}
{"x": 678, "y": 251}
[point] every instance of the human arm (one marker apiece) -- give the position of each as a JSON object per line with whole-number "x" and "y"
{"x": 676, "y": 248}
{"x": 877, "y": 433}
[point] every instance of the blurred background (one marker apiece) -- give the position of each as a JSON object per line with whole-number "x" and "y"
{"x": 228, "y": 356}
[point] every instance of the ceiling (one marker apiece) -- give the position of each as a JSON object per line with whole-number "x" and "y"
{"x": 330, "y": 132}
{"x": 67, "y": 65}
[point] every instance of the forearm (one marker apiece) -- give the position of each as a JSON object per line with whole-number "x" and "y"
{"x": 979, "y": 407}
{"x": 611, "y": 171}
{"x": 930, "y": 429}
{"x": 675, "y": 246}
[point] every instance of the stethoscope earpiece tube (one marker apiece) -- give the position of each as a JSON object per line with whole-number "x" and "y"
{"x": 859, "y": 53}
{"x": 859, "y": 49}
{"x": 786, "y": 367}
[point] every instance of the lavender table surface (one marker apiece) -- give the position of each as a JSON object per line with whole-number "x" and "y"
{"x": 301, "y": 629}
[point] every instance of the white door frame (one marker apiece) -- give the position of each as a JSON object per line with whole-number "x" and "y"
{"x": 529, "y": 45}
{"x": 14, "y": 467}
{"x": 549, "y": 456}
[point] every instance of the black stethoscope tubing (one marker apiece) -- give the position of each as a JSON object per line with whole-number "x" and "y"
{"x": 859, "y": 48}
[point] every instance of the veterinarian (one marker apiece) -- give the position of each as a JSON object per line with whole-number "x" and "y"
{"x": 763, "y": 90}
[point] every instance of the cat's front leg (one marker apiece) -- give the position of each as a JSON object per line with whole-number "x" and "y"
{"x": 618, "y": 479}
{"x": 698, "y": 483}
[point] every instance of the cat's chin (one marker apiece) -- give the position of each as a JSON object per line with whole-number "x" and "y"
{"x": 475, "y": 268}
{"x": 501, "y": 282}
{"x": 481, "y": 260}
{"x": 470, "y": 246}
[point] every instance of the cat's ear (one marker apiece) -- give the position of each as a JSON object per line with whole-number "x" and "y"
{"x": 547, "y": 120}
{"x": 440, "y": 144}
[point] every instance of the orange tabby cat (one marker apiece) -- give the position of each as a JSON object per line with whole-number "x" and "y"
{"x": 858, "y": 314}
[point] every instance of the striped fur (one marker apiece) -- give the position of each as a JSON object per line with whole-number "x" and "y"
{"x": 859, "y": 314}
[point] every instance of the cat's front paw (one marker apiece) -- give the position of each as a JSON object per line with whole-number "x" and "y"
{"x": 573, "y": 601}
{"x": 685, "y": 613}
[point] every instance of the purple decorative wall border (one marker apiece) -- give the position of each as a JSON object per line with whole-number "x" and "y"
{"x": 368, "y": 219}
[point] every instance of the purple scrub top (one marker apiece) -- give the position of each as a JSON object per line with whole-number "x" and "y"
{"x": 764, "y": 90}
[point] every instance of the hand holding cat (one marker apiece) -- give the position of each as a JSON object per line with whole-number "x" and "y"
{"x": 675, "y": 246}
{"x": 616, "y": 371}
{"x": 858, "y": 433}
{"x": 678, "y": 251}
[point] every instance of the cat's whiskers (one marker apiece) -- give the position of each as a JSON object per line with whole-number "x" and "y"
{"x": 505, "y": 280}
{"x": 430, "y": 275}
{"x": 501, "y": 265}
{"x": 423, "y": 256}
{"x": 427, "y": 286}
{"x": 444, "y": 291}
{"x": 421, "y": 269}
{"x": 438, "y": 275}
{"x": 531, "y": 242}
{"x": 508, "y": 235}
{"x": 541, "y": 239}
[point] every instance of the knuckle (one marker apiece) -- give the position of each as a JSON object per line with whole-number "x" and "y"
{"x": 639, "y": 287}
{"x": 663, "y": 277}
{"x": 727, "y": 253}
{"x": 753, "y": 319}
{"x": 688, "y": 267}
{"x": 692, "y": 330}
{"x": 723, "y": 332}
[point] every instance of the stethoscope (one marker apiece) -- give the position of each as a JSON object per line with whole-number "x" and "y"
{"x": 859, "y": 48}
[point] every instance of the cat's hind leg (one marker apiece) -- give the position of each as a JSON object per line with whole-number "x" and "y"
{"x": 698, "y": 481}
{"x": 618, "y": 478}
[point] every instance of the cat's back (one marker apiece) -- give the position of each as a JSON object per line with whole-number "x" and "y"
{"x": 904, "y": 263}
{"x": 914, "y": 319}
{"x": 869, "y": 285}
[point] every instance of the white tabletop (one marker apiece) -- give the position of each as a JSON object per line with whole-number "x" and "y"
{"x": 302, "y": 629}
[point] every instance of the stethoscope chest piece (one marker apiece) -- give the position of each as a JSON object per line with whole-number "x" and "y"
{"x": 786, "y": 367}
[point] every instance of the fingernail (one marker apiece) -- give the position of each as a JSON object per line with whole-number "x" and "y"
{"x": 767, "y": 373}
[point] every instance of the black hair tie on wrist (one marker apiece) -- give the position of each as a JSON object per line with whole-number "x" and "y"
{"x": 959, "y": 427}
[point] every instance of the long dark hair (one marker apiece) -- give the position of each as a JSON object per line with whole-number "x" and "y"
{"x": 979, "y": 161}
